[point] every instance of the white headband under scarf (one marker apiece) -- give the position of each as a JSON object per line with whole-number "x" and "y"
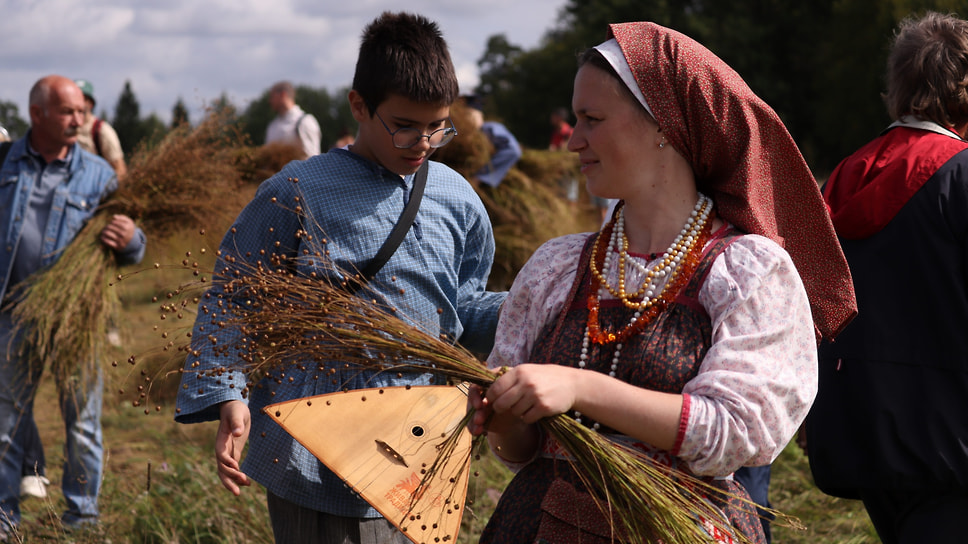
{"x": 613, "y": 54}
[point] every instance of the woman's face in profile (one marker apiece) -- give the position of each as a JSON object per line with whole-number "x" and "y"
{"x": 616, "y": 140}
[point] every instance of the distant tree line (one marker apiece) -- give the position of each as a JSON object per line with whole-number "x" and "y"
{"x": 819, "y": 64}
{"x": 11, "y": 120}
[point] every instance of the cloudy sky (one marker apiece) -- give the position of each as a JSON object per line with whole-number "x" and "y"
{"x": 199, "y": 49}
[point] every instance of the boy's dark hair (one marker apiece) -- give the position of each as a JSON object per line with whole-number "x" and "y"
{"x": 927, "y": 71}
{"x": 404, "y": 54}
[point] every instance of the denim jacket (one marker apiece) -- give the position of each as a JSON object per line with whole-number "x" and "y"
{"x": 91, "y": 181}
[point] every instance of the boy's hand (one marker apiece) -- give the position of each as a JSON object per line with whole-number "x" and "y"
{"x": 233, "y": 432}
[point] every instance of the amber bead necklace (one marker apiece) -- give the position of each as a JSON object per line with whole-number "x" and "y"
{"x": 673, "y": 270}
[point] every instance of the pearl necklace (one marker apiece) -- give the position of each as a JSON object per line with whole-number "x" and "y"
{"x": 667, "y": 266}
{"x": 675, "y": 267}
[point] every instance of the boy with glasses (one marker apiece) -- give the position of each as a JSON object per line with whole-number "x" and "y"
{"x": 401, "y": 95}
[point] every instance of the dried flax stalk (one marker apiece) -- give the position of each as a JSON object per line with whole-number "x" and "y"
{"x": 63, "y": 311}
{"x": 288, "y": 318}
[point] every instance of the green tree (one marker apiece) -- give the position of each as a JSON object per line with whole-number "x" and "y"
{"x": 153, "y": 130}
{"x": 11, "y": 120}
{"x": 820, "y": 65}
{"x": 320, "y": 104}
{"x": 127, "y": 119}
{"x": 223, "y": 105}
{"x": 773, "y": 46}
{"x": 256, "y": 118}
{"x": 523, "y": 87}
{"x": 179, "y": 113}
{"x": 338, "y": 120}
{"x": 496, "y": 65}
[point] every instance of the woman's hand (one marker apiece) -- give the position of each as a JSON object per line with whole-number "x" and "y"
{"x": 531, "y": 392}
{"x": 525, "y": 393}
{"x": 510, "y": 437}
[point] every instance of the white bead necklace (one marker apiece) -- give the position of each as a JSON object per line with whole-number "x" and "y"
{"x": 666, "y": 268}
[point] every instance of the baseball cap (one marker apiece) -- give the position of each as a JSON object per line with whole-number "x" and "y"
{"x": 86, "y": 88}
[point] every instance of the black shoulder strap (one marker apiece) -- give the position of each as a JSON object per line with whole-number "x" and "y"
{"x": 299, "y": 122}
{"x": 4, "y": 149}
{"x": 398, "y": 233}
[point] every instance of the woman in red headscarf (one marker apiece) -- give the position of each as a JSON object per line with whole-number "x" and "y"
{"x": 687, "y": 326}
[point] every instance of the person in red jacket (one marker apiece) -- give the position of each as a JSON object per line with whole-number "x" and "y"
{"x": 560, "y": 130}
{"x": 888, "y": 426}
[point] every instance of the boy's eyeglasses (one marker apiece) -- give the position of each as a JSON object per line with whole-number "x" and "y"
{"x": 407, "y": 137}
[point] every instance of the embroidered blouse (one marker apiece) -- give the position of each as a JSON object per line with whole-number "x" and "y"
{"x": 759, "y": 377}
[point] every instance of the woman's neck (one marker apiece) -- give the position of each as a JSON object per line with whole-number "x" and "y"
{"x": 652, "y": 225}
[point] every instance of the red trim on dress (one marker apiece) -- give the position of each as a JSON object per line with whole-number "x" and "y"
{"x": 683, "y": 423}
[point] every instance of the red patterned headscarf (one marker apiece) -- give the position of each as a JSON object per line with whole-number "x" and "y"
{"x": 743, "y": 157}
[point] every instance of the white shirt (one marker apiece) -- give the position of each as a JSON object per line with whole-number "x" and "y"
{"x": 284, "y": 129}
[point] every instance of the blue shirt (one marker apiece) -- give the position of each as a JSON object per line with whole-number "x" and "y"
{"x": 46, "y": 205}
{"x": 507, "y": 151}
{"x": 438, "y": 277}
{"x": 47, "y": 178}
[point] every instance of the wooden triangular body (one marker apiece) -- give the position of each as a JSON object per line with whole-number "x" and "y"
{"x": 382, "y": 442}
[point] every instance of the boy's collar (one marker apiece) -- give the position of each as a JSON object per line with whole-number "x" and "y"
{"x": 377, "y": 168}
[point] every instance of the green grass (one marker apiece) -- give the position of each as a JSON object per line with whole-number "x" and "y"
{"x": 160, "y": 487}
{"x": 827, "y": 519}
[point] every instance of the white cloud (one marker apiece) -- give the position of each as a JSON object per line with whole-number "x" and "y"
{"x": 200, "y": 49}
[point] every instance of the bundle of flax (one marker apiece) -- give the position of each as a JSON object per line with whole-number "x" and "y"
{"x": 187, "y": 181}
{"x": 286, "y": 317}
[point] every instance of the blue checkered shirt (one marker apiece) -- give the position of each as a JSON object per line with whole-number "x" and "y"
{"x": 438, "y": 273}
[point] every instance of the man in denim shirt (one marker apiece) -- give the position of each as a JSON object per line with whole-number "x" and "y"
{"x": 49, "y": 188}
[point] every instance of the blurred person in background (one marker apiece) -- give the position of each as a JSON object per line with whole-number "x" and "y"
{"x": 97, "y": 136}
{"x": 50, "y": 189}
{"x": 507, "y": 150}
{"x": 291, "y": 123}
{"x": 34, "y": 471}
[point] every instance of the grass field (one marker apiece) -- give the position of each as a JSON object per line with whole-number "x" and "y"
{"x": 160, "y": 487}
